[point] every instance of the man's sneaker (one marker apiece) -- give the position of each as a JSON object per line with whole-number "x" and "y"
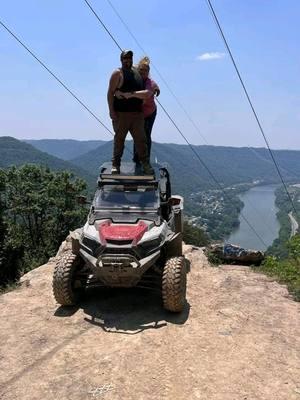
{"x": 115, "y": 169}
{"x": 147, "y": 169}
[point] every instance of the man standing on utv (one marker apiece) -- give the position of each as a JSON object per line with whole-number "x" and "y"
{"x": 127, "y": 114}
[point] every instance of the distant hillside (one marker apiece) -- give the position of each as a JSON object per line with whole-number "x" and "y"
{"x": 16, "y": 152}
{"x": 65, "y": 149}
{"x": 229, "y": 165}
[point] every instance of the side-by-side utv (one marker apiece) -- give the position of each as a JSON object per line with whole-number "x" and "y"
{"x": 134, "y": 228}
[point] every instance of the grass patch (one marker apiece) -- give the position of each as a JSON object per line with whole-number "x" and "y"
{"x": 213, "y": 258}
{"x": 286, "y": 272}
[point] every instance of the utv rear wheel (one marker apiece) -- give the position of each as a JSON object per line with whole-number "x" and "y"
{"x": 174, "y": 284}
{"x": 66, "y": 288}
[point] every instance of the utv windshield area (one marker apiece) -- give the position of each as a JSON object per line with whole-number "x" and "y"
{"x": 135, "y": 197}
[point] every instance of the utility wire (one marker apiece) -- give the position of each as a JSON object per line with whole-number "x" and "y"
{"x": 210, "y": 173}
{"x": 93, "y": 114}
{"x": 163, "y": 79}
{"x": 215, "y": 18}
{"x": 186, "y": 140}
{"x": 102, "y": 23}
{"x": 167, "y": 84}
{"x": 56, "y": 78}
{"x": 171, "y": 91}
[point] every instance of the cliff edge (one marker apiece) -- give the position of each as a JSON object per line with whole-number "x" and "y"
{"x": 238, "y": 339}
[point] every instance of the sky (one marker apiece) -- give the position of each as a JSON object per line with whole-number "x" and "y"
{"x": 183, "y": 44}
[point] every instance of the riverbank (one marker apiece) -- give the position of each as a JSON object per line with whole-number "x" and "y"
{"x": 258, "y": 226}
{"x": 217, "y": 211}
{"x": 288, "y": 227}
{"x": 220, "y": 215}
{"x": 294, "y": 224}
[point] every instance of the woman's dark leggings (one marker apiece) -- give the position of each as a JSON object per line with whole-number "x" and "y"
{"x": 149, "y": 121}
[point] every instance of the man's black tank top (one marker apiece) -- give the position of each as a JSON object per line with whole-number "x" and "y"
{"x": 132, "y": 82}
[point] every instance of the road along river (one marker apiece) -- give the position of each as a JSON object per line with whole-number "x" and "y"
{"x": 260, "y": 210}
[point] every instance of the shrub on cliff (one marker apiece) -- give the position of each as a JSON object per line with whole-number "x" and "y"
{"x": 38, "y": 208}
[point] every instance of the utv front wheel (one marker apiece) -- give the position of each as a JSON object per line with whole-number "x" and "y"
{"x": 66, "y": 288}
{"x": 174, "y": 284}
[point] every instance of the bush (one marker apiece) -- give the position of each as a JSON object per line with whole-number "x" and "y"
{"x": 38, "y": 208}
{"x": 286, "y": 271}
{"x": 193, "y": 235}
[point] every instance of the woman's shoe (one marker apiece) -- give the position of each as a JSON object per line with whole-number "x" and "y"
{"x": 147, "y": 169}
{"x": 115, "y": 169}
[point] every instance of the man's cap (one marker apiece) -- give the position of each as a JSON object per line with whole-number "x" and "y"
{"x": 126, "y": 53}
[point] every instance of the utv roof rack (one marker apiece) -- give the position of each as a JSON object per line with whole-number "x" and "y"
{"x": 129, "y": 172}
{"x": 121, "y": 177}
{"x": 129, "y": 175}
{"x": 127, "y": 180}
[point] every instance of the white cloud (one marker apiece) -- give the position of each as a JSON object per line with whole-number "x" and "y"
{"x": 210, "y": 56}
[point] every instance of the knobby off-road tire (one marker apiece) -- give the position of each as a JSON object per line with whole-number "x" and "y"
{"x": 64, "y": 290}
{"x": 174, "y": 284}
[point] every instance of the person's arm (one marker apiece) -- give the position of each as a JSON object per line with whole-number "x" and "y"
{"x": 156, "y": 89}
{"x": 112, "y": 87}
{"x": 139, "y": 94}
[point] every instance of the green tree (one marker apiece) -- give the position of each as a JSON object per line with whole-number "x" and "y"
{"x": 194, "y": 235}
{"x": 2, "y": 224}
{"x": 40, "y": 209}
{"x": 287, "y": 269}
{"x": 10, "y": 258}
{"x": 293, "y": 246}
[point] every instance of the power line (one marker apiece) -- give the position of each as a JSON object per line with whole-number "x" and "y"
{"x": 165, "y": 81}
{"x": 215, "y": 18}
{"x": 81, "y": 102}
{"x": 160, "y": 75}
{"x": 185, "y": 139}
{"x": 209, "y": 172}
{"x": 102, "y": 23}
{"x": 56, "y": 78}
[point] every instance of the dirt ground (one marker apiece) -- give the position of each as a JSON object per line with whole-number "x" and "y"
{"x": 238, "y": 339}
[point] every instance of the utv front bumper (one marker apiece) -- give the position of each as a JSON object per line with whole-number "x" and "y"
{"x": 119, "y": 270}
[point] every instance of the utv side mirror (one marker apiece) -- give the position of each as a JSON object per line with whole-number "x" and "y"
{"x": 173, "y": 201}
{"x": 82, "y": 200}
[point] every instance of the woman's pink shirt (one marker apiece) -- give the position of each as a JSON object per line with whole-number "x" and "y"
{"x": 149, "y": 105}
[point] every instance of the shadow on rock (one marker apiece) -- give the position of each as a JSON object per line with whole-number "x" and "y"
{"x": 66, "y": 311}
{"x": 128, "y": 311}
{"x": 187, "y": 265}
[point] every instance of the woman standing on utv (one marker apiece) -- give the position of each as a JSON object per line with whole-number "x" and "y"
{"x": 149, "y": 106}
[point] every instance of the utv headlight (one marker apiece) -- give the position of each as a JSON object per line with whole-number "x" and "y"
{"x": 150, "y": 244}
{"x": 91, "y": 244}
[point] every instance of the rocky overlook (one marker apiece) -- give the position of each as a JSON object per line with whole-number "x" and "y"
{"x": 238, "y": 339}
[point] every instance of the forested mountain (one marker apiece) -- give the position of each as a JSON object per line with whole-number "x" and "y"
{"x": 16, "y": 152}
{"x": 229, "y": 165}
{"x": 65, "y": 148}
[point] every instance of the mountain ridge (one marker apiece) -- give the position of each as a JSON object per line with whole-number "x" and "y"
{"x": 229, "y": 165}
{"x": 16, "y": 152}
{"x": 64, "y": 148}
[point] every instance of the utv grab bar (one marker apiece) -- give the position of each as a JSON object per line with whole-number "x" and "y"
{"x": 119, "y": 177}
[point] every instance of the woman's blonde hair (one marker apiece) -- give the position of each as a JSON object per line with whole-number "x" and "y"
{"x": 144, "y": 62}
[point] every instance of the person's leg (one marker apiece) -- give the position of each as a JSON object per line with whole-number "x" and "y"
{"x": 138, "y": 134}
{"x": 149, "y": 121}
{"x": 135, "y": 155}
{"x": 120, "y": 126}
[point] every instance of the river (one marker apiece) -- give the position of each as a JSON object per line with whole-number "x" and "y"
{"x": 260, "y": 210}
